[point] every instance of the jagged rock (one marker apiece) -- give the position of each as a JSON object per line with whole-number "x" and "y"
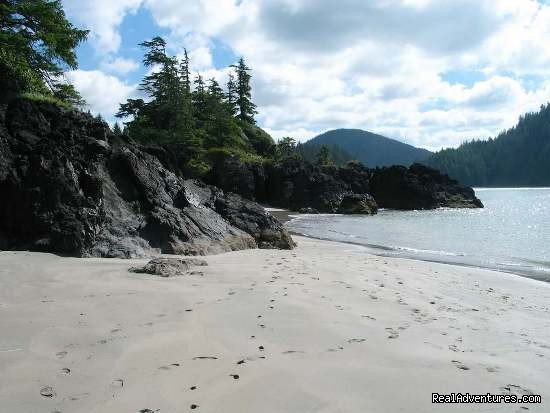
{"x": 168, "y": 267}
{"x": 419, "y": 187}
{"x": 253, "y": 219}
{"x": 68, "y": 185}
{"x": 299, "y": 185}
{"x": 358, "y": 204}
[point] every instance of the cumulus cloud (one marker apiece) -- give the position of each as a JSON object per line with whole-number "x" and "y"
{"x": 102, "y": 18}
{"x": 379, "y": 65}
{"x": 102, "y": 92}
{"x": 120, "y": 65}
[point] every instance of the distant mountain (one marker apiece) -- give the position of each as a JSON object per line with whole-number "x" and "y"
{"x": 517, "y": 157}
{"x": 371, "y": 149}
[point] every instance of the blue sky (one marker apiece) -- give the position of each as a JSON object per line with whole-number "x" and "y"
{"x": 427, "y": 72}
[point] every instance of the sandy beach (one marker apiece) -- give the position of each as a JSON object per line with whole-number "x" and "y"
{"x": 323, "y": 328}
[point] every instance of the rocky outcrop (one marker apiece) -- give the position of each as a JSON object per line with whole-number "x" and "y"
{"x": 419, "y": 187}
{"x": 168, "y": 267}
{"x": 301, "y": 186}
{"x": 358, "y": 204}
{"x": 68, "y": 185}
{"x": 293, "y": 184}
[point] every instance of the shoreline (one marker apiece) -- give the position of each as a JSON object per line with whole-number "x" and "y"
{"x": 377, "y": 250}
{"x": 322, "y": 328}
{"x": 286, "y": 216}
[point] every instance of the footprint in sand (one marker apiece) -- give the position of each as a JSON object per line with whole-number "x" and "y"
{"x": 117, "y": 383}
{"x": 459, "y": 365}
{"x": 393, "y": 332}
{"x": 61, "y": 354}
{"x": 515, "y": 389}
{"x": 47, "y": 391}
{"x": 78, "y": 396}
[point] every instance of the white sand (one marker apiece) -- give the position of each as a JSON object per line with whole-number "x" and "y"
{"x": 122, "y": 334}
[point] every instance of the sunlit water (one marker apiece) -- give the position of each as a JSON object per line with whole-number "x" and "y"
{"x": 512, "y": 232}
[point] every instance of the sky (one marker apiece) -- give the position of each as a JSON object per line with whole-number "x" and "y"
{"x": 430, "y": 73}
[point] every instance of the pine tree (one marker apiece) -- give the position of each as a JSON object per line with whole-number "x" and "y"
{"x": 184, "y": 73}
{"x": 246, "y": 108}
{"x": 323, "y": 156}
{"x": 185, "y": 119}
{"x": 286, "y": 148}
{"x": 232, "y": 94}
{"x": 199, "y": 99}
{"x": 162, "y": 85}
{"x": 37, "y": 43}
{"x": 116, "y": 129}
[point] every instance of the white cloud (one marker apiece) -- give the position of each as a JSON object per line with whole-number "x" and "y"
{"x": 102, "y": 18}
{"x": 120, "y": 65}
{"x": 377, "y": 65}
{"x": 102, "y": 92}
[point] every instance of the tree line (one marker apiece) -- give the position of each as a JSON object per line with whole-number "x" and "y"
{"x": 516, "y": 157}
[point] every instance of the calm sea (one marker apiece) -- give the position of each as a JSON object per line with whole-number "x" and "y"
{"x": 512, "y": 232}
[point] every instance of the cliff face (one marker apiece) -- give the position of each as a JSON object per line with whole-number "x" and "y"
{"x": 299, "y": 185}
{"x": 68, "y": 185}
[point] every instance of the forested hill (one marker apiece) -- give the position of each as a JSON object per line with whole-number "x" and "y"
{"x": 517, "y": 157}
{"x": 371, "y": 149}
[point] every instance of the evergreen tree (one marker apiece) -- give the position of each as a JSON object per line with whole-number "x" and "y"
{"x": 184, "y": 75}
{"x": 286, "y": 149}
{"x": 116, "y": 129}
{"x": 246, "y": 108}
{"x": 232, "y": 94}
{"x": 199, "y": 100}
{"x": 323, "y": 157}
{"x": 185, "y": 119}
{"x": 37, "y": 43}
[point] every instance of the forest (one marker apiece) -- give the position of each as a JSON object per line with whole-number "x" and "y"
{"x": 516, "y": 157}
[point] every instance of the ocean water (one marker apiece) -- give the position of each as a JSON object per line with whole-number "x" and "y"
{"x": 512, "y": 232}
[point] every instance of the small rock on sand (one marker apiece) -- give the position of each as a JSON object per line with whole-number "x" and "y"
{"x": 168, "y": 267}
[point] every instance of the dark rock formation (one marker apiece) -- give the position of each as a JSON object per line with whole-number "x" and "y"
{"x": 308, "y": 210}
{"x": 292, "y": 184}
{"x": 358, "y": 204}
{"x": 301, "y": 186}
{"x": 419, "y": 187}
{"x": 70, "y": 186}
{"x": 168, "y": 267}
